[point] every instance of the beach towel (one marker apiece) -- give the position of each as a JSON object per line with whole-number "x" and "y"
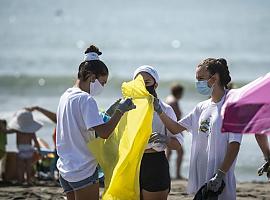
{"x": 119, "y": 156}
{"x": 247, "y": 109}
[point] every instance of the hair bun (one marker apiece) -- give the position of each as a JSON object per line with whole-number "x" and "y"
{"x": 222, "y": 60}
{"x": 93, "y": 48}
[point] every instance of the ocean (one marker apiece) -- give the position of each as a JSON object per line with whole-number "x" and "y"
{"x": 42, "y": 45}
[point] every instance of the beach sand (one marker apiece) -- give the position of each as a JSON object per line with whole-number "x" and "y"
{"x": 50, "y": 190}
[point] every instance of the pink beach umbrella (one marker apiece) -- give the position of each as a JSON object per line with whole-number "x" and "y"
{"x": 247, "y": 109}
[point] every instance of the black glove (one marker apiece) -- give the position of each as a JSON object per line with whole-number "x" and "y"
{"x": 158, "y": 138}
{"x": 265, "y": 168}
{"x": 113, "y": 107}
{"x": 125, "y": 105}
{"x": 157, "y": 106}
{"x": 214, "y": 184}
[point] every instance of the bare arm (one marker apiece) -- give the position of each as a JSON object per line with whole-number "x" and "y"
{"x": 8, "y": 131}
{"x": 170, "y": 124}
{"x": 105, "y": 130}
{"x": 231, "y": 154}
{"x": 176, "y": 109}
{"x": 262, "y": 141}
{"x": 173, "y": 144}
{"x": 47, "y": 113}
{"x": 36, "y": 142}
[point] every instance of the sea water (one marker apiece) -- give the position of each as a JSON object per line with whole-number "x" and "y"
{"x": 42, "y": 44}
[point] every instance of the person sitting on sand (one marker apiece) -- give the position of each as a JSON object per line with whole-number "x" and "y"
{"x": 213, "y": 154}
{"x": 173, "y": 100}
{"x": 78, "y": 122}
{"x": 155, "y": 182}
{"x": 25, "y": 127}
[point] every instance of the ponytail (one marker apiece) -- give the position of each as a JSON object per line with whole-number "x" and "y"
{"x": 220, "y": 67}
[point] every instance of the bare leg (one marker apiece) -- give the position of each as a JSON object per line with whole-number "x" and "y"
{"x": 180, "y": 154}
{"x": 168, "y": 153}
{"x": 29, "y": 170}
{"x": 88, "y": 191}
{"x": 160, "y": 195}
{"x": 20, "y": 170}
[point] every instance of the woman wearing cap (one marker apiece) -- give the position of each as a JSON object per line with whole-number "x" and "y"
{"x": 213, "y": 154}
{"x": 155, "y": 179}
{"x": 78, "y": 121}
{"x": 25, "y": 127}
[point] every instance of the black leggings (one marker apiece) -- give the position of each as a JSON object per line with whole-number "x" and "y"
{"x": 154, "y": 172}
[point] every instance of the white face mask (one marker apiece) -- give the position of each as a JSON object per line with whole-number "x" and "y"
{"x": 96, "y": 88}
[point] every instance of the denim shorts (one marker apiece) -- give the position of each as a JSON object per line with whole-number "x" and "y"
{"x": 72, "y": 186}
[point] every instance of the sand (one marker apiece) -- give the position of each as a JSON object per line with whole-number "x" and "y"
{"x": 51, "y": 190}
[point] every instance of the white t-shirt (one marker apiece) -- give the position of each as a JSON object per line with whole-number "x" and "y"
{"x": 159, "y": 127}
{"x": 209, "y": 147}
{"x": 77, "y": 113}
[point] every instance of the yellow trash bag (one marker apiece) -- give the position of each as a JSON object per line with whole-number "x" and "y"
{"x": 120, "y": 155}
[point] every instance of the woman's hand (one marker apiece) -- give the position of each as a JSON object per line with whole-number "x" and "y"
{"x": 31, "y": 109}
{"x": 265, "y": 168}
{"x": 113, "y": 107}
{"x": 125, "y": 105}
{"x": 157, "y": 106}
{"x": 159, "y": 138}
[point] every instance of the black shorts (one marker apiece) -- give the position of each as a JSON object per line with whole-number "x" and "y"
{"x": 154, "y": 172}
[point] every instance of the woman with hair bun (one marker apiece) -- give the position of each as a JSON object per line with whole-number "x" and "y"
{"x": 78, "y": 121}
{"x": 213, "y": 154}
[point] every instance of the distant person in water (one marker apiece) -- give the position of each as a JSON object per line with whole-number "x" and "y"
{"x": 173, "y": 100}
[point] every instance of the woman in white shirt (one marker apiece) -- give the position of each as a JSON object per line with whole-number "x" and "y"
{"x": 78, "y": 121}
{"x": 154, "y": 172}
{"x": 213, "y": 154}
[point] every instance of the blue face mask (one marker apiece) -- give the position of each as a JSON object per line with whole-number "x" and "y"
{"x": 203, "y": 88}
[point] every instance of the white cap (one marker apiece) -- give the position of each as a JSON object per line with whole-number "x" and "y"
{"x": 149, "y": 69}
{"x": 24, "y": 122}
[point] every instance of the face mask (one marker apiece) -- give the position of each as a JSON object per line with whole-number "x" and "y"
{"x": 96, "y": 88}
{"x": 203, "y": 88}
{"x": 151, "y": 90}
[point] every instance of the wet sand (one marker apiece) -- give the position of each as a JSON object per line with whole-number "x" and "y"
{"x": 51, "y": 190}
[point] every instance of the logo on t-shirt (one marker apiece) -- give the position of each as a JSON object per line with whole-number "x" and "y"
{"x": 205, "y": 126}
